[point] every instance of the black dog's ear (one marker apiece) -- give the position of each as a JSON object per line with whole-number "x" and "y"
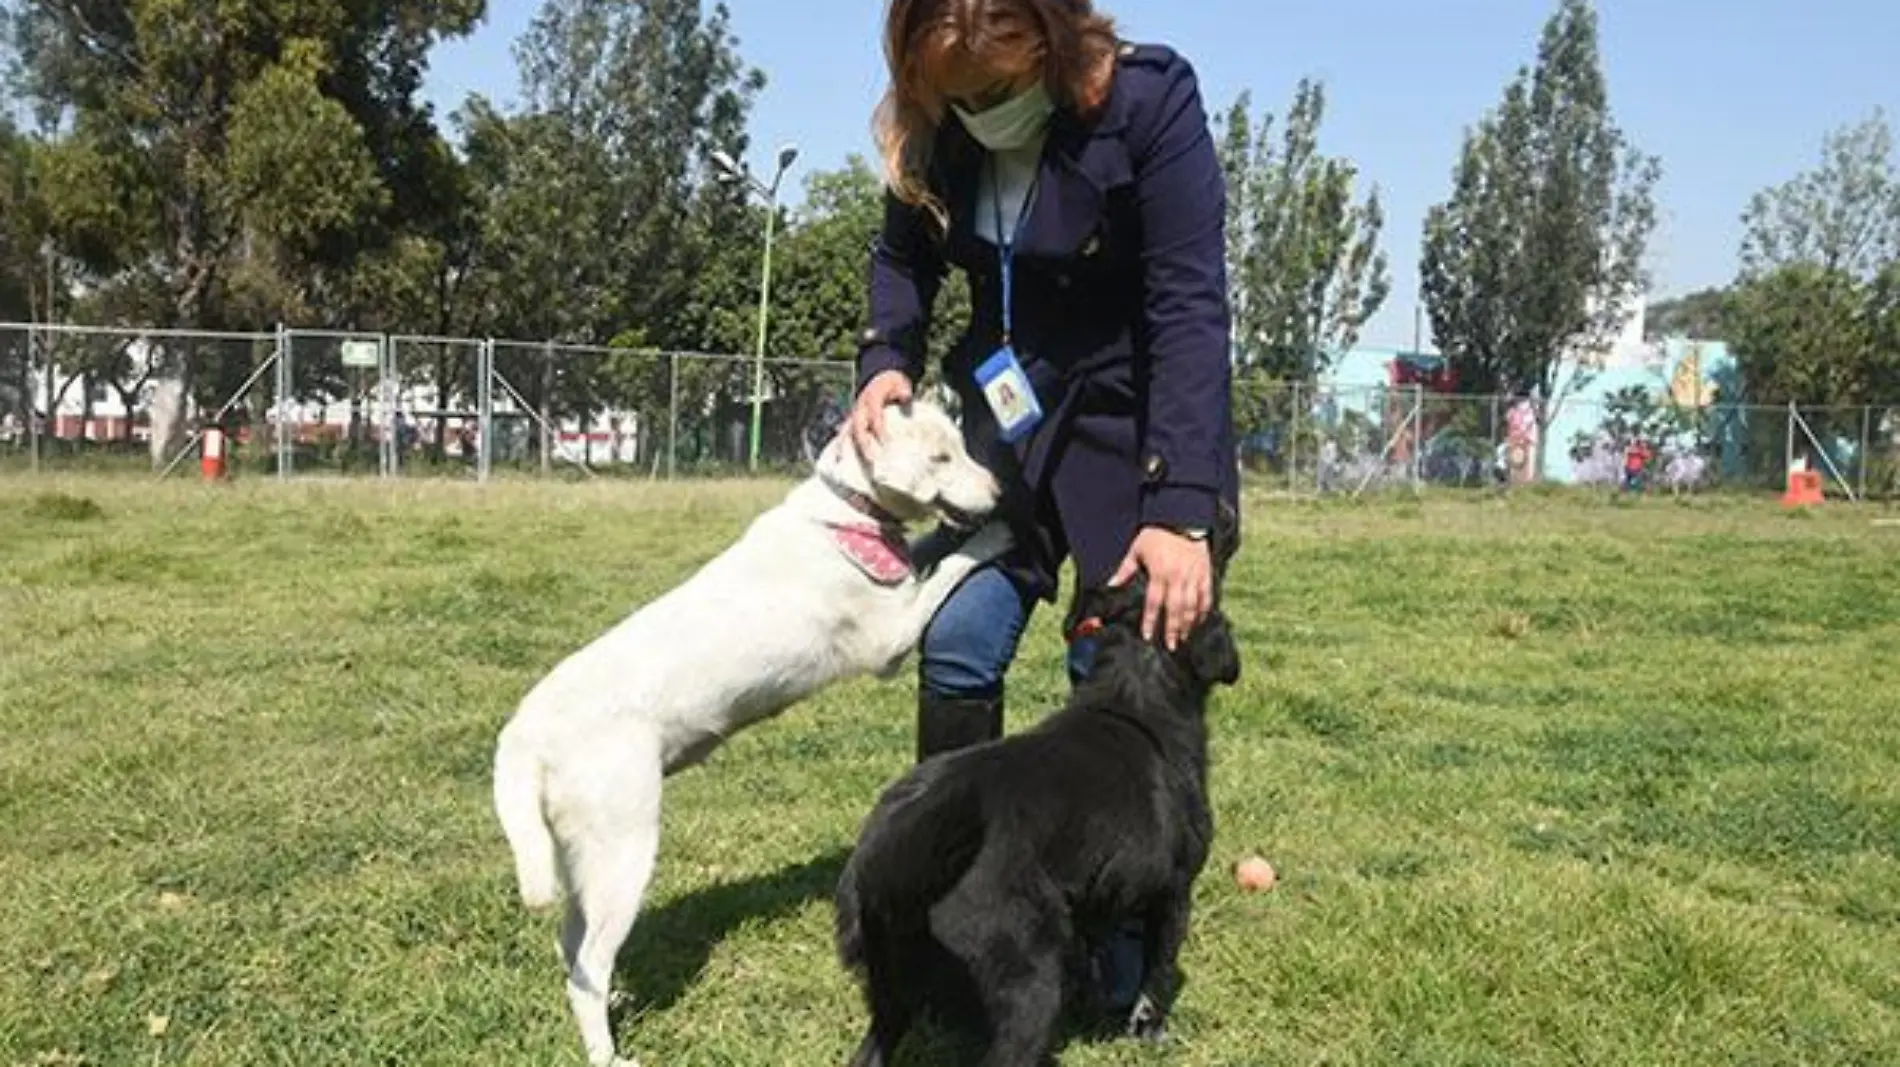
{"x": 1211, "y": 652}
{"x": 1224, "y": 539}
{"x": 1103, "y": 603}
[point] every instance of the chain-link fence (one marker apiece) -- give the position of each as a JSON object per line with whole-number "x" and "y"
{"x": 1315, "y": 439}
{"x": 78, "y": 397}
{"x": 358, "y": 404}
{"x": 295, "y": 402}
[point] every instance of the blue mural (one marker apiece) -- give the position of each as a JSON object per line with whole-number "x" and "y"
{"x": 1689, "y": 375}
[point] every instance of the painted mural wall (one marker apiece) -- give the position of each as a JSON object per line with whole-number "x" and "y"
{"x": 1697, "y": 378}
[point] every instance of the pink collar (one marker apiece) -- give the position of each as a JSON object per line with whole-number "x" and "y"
{"x": 876, "y": 550}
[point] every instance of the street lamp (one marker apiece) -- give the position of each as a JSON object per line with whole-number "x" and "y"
{"x": 730, "y": 170}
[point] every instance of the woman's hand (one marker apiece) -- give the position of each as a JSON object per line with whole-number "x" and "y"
{"x": 867, "y": 414}
{"x": 1180, "y": 580}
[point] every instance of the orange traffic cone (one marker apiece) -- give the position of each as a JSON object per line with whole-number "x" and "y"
{"x": 211, "y": 462}
{"x": 1804, "y": 488}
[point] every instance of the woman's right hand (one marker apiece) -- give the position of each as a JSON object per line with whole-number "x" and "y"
{"x": 867, "y": 415}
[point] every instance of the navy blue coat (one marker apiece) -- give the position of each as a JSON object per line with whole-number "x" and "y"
{"x": 1121, "y": 321}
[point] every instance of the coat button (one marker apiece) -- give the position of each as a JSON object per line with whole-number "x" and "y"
{"x": 1062, "y": 281}
{"x": 1093, "y": 245}
{"x": 1154, "y": 468}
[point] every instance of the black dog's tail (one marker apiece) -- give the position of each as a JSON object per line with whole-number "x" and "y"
{"x": 917, "y": 843}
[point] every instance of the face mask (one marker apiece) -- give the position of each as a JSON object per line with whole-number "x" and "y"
{"x": 1013, "y": 123}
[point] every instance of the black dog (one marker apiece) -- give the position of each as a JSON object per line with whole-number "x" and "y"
{"x": 981, "y": 873}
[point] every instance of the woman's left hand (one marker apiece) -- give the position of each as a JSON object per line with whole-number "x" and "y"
{"x": 1180, "y": 580}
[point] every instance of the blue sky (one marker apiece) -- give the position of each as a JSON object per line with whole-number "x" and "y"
{"x": 1733, "y": 95}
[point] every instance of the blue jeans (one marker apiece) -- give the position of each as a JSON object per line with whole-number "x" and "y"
{"x": 966, "y": 651}
{"x": 969, "y": 645}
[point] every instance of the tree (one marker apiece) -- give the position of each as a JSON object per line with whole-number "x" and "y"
{"x": 1698, "y": 315}
{"x": 200, "y": 140}
{"x": 1883, "y": 325}
{"x": 599, "y": 215}
{"x": 1306, "y": 269}
{"x": 1813, "y": 306}
{"x": 26, "y": 291}
{"x": 1803, "y": 335}
{"x": 21, "y": 225}
{"x": 597, "y": 179}
{"x": 1533, "y": 264}
{"x": 1843, "y": 216}
{"x": 819, "y": 303}
{"x": 1632, "y": 414}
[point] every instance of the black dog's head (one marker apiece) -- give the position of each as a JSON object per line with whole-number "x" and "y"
{"x": 1112, "y": 615}
{"x": 1208, "y": 654}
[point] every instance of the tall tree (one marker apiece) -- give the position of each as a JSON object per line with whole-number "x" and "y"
{"x": 595, "y": 197}
{"x": 21, "y": 231}
{"x": 818, "y": 303}
{"x": 1535, "y": 263}
{"x": 1812, "y": 306}
{"x": 23, "y": 227}
{"x": 599, "y": 175}
{"x": 198, "y": 138}
{"x": 1802, "y": 333}
{"x": 1844, "y": 215}
{"x": 1697, "y": 315}
{"x": 1306, "y": 267}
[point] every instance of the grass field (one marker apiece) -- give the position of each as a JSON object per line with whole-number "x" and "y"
{"x": 1549, "y": 780}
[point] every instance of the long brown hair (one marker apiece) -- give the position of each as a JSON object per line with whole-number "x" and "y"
{"x": 926, "y": 42}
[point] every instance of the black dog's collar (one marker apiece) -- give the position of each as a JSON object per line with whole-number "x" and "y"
{"x": 1088, "y": 627}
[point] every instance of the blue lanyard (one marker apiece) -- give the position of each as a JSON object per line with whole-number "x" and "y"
{"x": 1006, "y": 242}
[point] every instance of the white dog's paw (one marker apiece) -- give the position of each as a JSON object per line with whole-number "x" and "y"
{"x": 890, "y": 670}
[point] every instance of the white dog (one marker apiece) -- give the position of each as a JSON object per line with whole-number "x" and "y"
{"x": 819, "y": 588}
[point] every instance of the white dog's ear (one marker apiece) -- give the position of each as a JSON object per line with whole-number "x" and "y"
{"x": 901, "y": 465}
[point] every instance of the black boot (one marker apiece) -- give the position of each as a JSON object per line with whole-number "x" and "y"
{"x": 946, "y": 723}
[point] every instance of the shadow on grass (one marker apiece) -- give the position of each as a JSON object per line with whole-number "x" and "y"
{"x": 934, "y": 1041}
{"x": 669, "y": 945}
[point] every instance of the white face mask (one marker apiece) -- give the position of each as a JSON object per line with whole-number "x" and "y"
{"x": 1013, "y": 123}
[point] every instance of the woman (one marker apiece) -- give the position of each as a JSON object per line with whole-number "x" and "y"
{"x": 1100, "y": 153}
{"x": 1073, "y": 179}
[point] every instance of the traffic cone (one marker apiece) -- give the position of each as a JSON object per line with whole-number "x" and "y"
{"x": 211, "y": 461}
{"x": 1804, "y": 488}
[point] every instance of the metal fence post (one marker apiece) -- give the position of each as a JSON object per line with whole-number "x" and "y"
{"x": 1491, "y": 453}
{"x": 547, "y": 406}
{"x": 485, "y": 407}
{"x": 386, "y": 391}
{"x": 33, "y": 431}
{"x": 1792, "y": 416}
{"x": 1319, "y": 452}
{"x": 1866, "y": 435}
{"x": 1293, "y": 445}
{"x": 284, "y": 379}
{"x": 387, "y": 397}
{"x": 1418, "y": 434}
{"x": 672, "y": 415}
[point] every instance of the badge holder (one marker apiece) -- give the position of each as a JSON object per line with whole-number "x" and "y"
{"x": 1012, "y": 399}
{"x": 1005, "y": 386}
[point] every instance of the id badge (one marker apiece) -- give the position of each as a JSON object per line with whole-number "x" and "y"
{"x": 1011, "y": 398}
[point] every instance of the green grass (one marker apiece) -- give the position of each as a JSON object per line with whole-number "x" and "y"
{"x": 1548, "y": 781}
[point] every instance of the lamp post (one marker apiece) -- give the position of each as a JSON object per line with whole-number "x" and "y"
{"x": 731, "y": 170}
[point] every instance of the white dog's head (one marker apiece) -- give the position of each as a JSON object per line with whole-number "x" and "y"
{"x": 921, "y": 468}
